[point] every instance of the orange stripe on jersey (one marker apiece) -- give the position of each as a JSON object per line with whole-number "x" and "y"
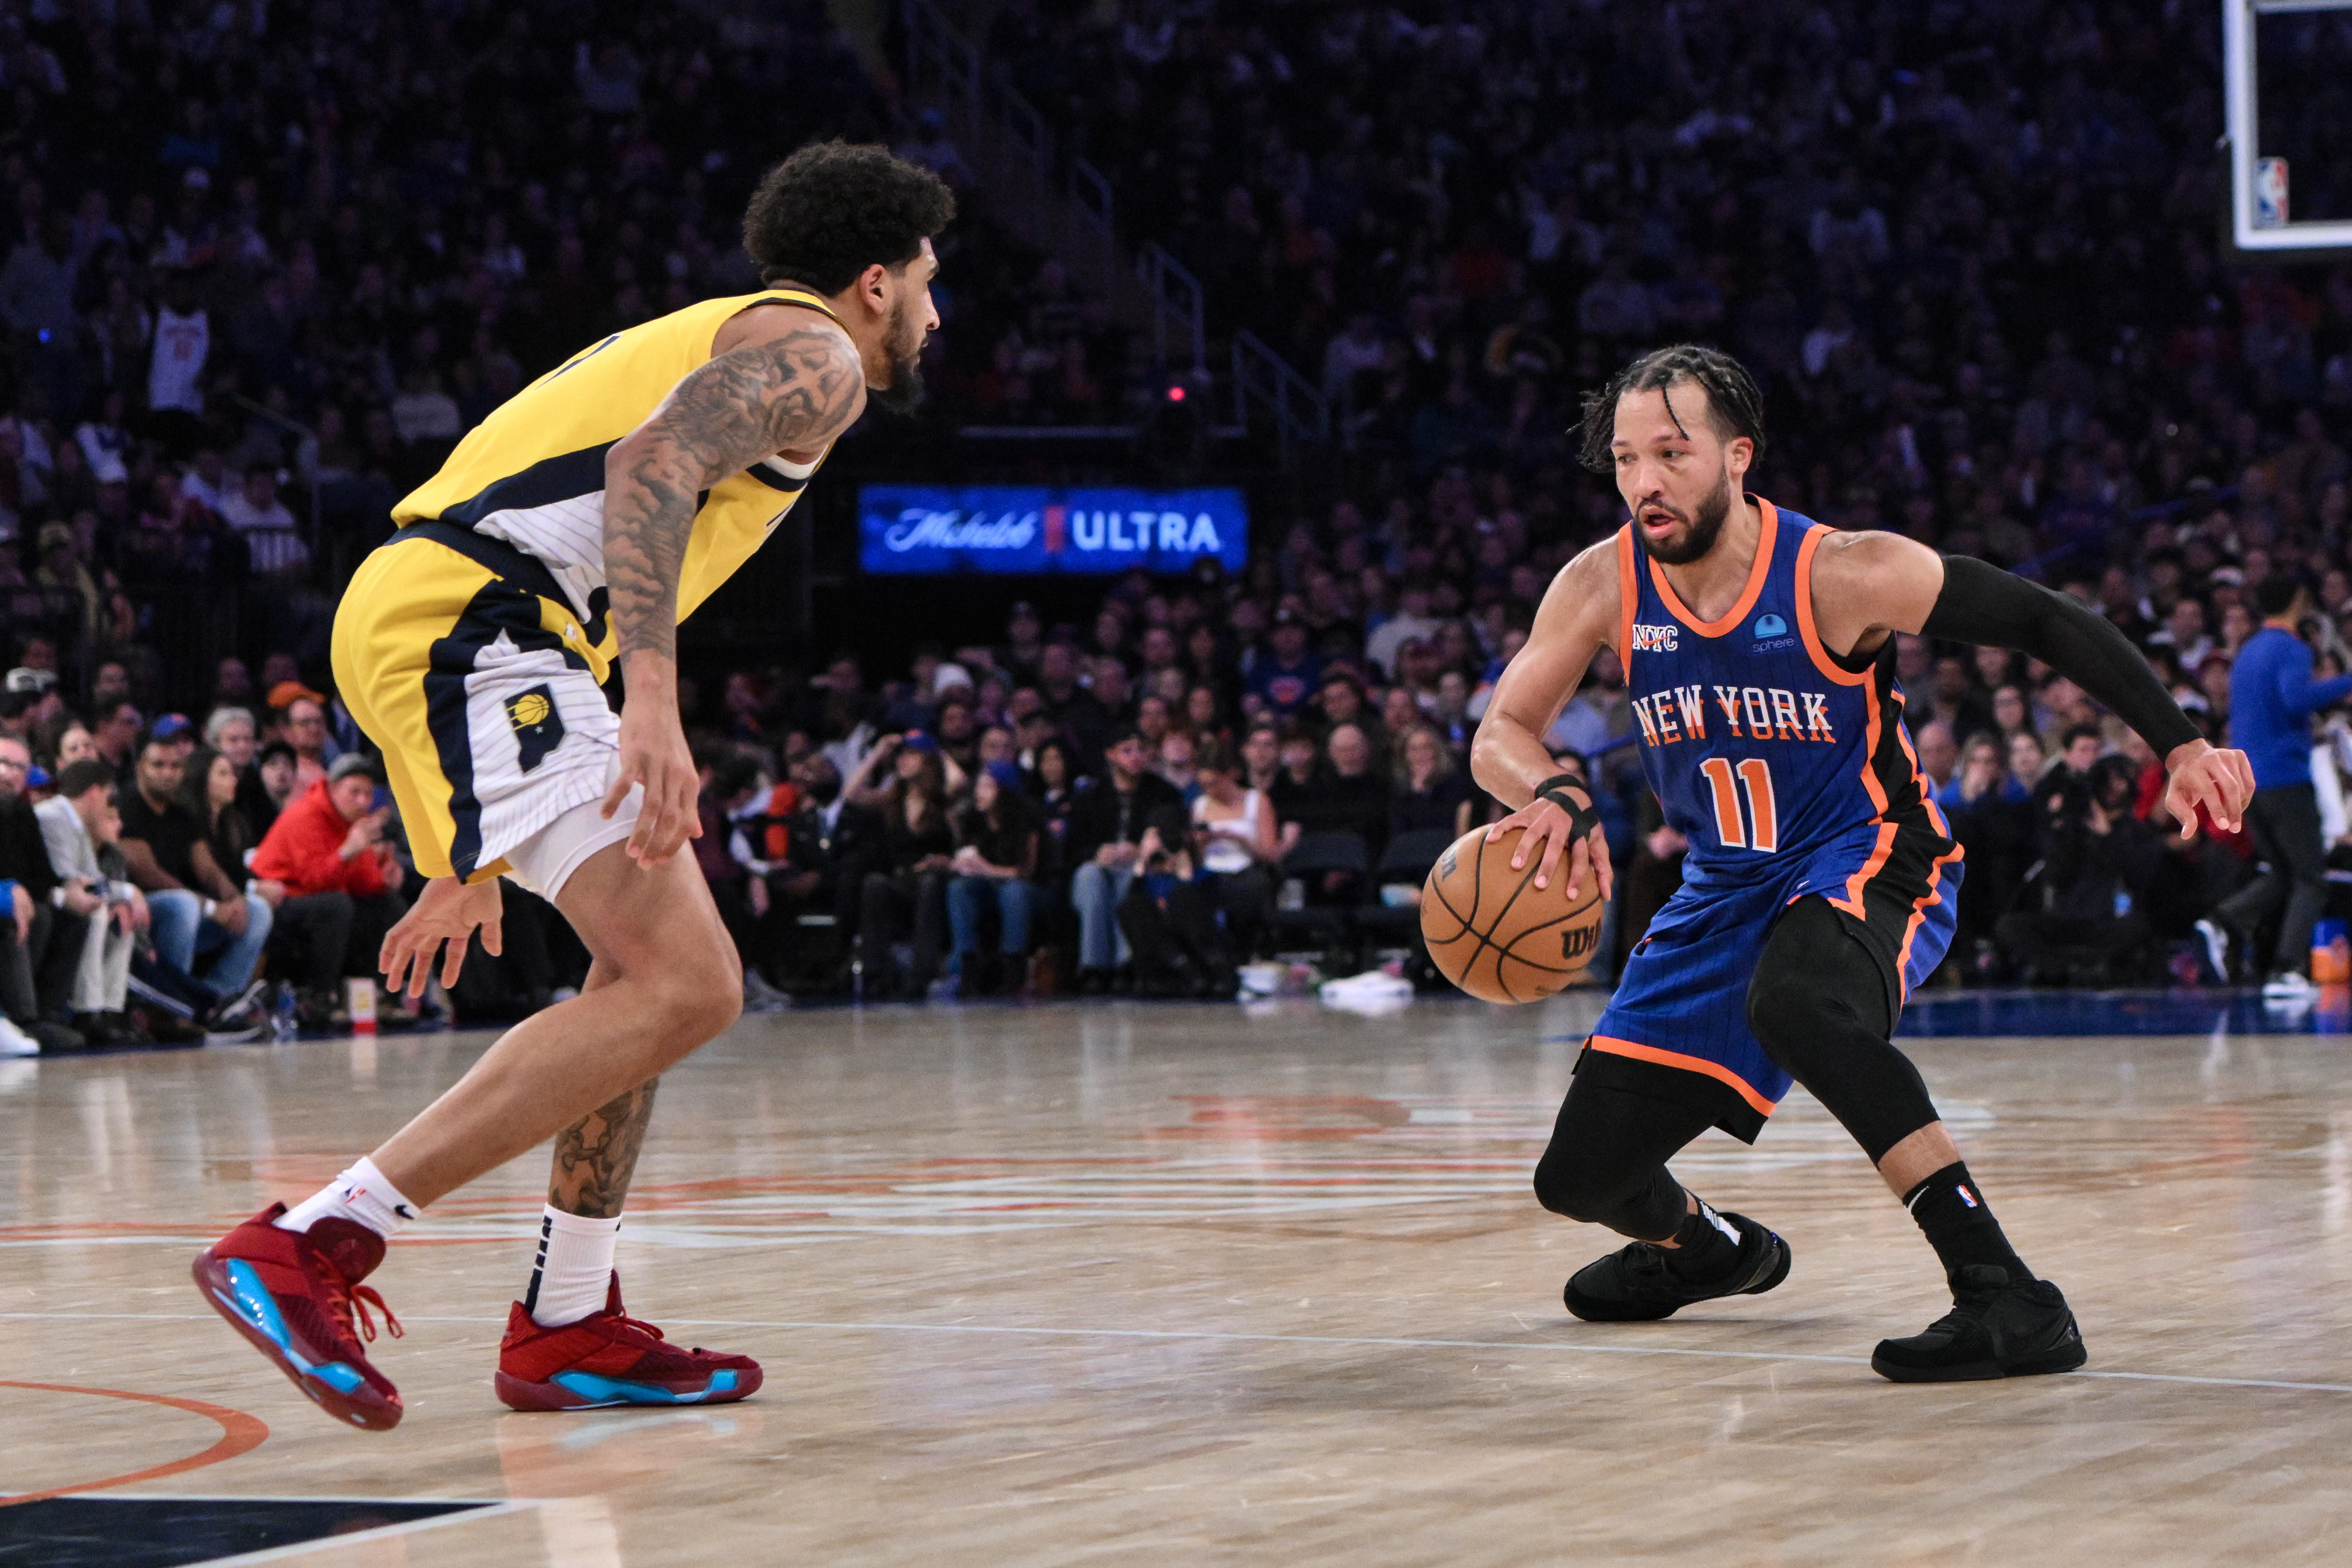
{"x": 1629, "y": 599}
{"x": 1805, "y": 627}
{"x": 1852, "y": 903}
{"x": 1617, "y": 1047}
{"x": 1926, "y": 789}
{"x": 1934, "y": 895}
{"x": 1766, "y": 535}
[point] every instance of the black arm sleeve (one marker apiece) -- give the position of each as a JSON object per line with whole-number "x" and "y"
{"x": 1982, "y": 603}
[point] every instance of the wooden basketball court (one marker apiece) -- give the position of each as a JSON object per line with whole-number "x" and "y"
{"x": 1114, "y": 1283}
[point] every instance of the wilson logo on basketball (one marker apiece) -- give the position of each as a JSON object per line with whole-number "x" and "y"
{"x": 1576, "y": 944}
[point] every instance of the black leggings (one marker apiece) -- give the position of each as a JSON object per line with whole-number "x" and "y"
{"x": 1820, "y": 1004}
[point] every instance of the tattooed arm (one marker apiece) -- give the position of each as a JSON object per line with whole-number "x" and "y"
{"x": 792, "y": 387}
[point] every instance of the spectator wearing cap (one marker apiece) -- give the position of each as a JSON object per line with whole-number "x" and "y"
{"x": 995, "y": 868}
{"x": 28, "y": 700}
{"x": 81, "y": 828}
{"x": 329, "y": 850}
{"x": 1287, "y": 674}
{"x": 2272, "y": 700}
{"x": 1108, "y": 823}
{"x": 200, "y": 910}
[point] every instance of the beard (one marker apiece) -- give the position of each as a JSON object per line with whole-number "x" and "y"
{"x": 1700, "y": 531}
{"x": 904, "y": 391}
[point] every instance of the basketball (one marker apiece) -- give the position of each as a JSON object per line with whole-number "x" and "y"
{"x": 1492, "y": 932}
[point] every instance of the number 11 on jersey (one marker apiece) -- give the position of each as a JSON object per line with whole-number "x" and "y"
{"x": 1754, "y": 776}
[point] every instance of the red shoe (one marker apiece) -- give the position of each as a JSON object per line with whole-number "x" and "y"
{"x": 296, "y": 1295}
{"x": 610, "y": 1358}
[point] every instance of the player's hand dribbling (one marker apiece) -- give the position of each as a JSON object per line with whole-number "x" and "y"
{"x": 440, "y": 924}
{"x": 654, "y": 754}
{"x": 1544, "y": 830}
{"x": 2223, "y": 781}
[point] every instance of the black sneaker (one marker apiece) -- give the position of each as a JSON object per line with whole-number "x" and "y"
{"x": 1995, "y": 1329}
{"x": 1634, "y": 1285}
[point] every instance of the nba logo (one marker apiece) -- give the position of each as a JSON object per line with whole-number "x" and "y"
{"x": 2270, "y": 192}
{"x": 1053, "y": 530}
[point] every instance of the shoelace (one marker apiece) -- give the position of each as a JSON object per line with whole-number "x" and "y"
{"x": 353, "y": 1301}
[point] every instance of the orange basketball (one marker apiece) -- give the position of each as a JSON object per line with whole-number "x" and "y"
{"x": 1492, "y": 932}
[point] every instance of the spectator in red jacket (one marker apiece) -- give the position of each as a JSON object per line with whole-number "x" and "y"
{"x": 341, "y": 882}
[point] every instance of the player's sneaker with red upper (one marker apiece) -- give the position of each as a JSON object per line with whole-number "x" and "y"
{"x": 610, "y": 1358}
{"x": 296, "y": 1295}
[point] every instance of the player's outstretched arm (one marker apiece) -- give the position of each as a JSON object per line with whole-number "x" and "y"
{"x": 792, "y": 390}
{"x": 1868, "y": 584}
{"x": 1508, "y": 757}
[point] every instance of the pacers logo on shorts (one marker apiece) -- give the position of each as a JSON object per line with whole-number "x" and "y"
{"x": 537, "y": 727}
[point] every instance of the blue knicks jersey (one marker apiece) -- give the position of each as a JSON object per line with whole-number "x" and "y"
{"x": 1790, "y": 774}
{"x": 1763, "y": 748}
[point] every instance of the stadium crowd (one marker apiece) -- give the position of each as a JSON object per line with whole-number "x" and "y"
{"x": 268, "y": 261}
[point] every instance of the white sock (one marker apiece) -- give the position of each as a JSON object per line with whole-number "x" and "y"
{"x": 360, "y": 1193}
{"x": 575, "y": 1267}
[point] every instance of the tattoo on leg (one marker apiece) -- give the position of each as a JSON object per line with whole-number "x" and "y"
{"x": 596, "y": 1156}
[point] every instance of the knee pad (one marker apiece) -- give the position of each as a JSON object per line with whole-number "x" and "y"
{"x": 1644, "y": 1204}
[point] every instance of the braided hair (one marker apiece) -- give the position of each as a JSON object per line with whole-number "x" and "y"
{"x": 1736, "y": 408}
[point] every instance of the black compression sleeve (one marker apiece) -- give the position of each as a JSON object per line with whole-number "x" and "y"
{"x": 1982, "y": 603}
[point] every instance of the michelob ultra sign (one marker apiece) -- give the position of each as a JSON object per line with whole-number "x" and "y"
{"x": 1029, "y": 529}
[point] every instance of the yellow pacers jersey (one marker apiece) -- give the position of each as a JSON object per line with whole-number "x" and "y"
{"x": 533, "y": 474}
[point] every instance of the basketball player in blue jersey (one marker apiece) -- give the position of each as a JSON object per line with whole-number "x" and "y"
{"x": 1820, "y": 882}
{"x": 567, "y": 535}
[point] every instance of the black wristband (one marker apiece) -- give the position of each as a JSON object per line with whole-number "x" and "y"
{"x": 1581, "y": 818}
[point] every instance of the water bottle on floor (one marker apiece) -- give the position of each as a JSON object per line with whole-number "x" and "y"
{"x": 285, "y": 1014}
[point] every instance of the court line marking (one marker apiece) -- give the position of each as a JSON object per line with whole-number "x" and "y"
{"x": 1460, "y": 1344}
{"x": 1215, "y": 1335}
{"x": 240, "y": 1433}
{"x": 481, "y": 1509}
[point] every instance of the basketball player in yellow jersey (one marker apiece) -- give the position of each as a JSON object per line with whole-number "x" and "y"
{"x": 571, "y": 530}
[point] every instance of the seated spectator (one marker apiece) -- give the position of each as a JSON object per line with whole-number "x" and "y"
{"x": 81, "y": 826}
{"x": 995, "y": 865}
{"x": 1286, "y": 673}
{"x": 902, "y": 902}
{"x": 280, "y": 774}
{"x": 1261, "y": 758}
{"x": 198, "y": 909}
{"x": 1169, "y": 918}
{"x": 1237, "y": 841}
{"x": 1940, "y": 755}
{"x": 213, "y": 789}
{"x": 1055, "y": 789}
{"x": 2085, "y": 915}
{"x": 341, "y": 884}
{"x": 301, "y": 716}
{"x": 1992, "y": 817}
{"x": 114, "y": 738}
{"x": 730, "y": 781}
{"x": 1340, "y": 699}
{"x": 1107, "y": 824}
{"x": 1431, "y": 791}
{"x": 1349, "y": 796}
{"x": 230, "y": 732}
{"x": 33, "y": 985}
